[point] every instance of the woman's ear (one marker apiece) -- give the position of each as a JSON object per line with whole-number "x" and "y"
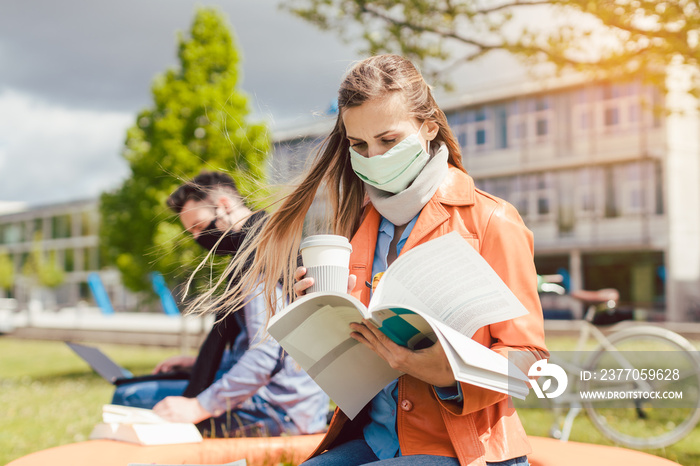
{"x": 430, "y": 129}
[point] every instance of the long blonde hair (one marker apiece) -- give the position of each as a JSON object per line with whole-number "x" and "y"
{"x": 275, "y": 246}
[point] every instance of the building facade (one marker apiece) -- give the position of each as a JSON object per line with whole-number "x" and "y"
{"x": 605, "y": 178}
{"x": 67, "y": 234}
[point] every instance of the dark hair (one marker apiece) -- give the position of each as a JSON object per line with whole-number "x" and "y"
{"x": 200, "y": 188}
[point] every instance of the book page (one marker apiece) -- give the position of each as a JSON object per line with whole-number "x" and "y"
{"x": 315, "y": 331}
{"x": 448, "y": 279}
{"x": 129, "y": 415}
{"x": 478, "y": 365}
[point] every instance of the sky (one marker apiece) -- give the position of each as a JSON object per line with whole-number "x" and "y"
{"x": 74, "y": 73}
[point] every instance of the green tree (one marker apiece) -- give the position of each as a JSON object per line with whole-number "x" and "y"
{"x": 46, "y": 271}
{"x": 7, "y": 271}
{"x": 613, "y": 39}
{"x": 198, "y": 120}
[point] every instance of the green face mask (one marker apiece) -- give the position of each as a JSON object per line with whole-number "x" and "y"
{"x": 394, "y": 170}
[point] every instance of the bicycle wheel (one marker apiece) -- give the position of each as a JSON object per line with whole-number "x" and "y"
{"x": 643, "y": 422}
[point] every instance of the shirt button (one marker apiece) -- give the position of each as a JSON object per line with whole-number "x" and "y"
{"x": 406, "y": 405}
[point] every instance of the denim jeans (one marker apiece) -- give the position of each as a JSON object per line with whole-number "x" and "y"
{"x": 148, "y": 393}
{"x": 357, "y": 452}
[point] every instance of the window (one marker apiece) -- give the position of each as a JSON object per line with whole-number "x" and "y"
{"x": 636, "y": 176}
{"x": 516, "y": 120}
{"x": 14, "y": 233}
{"x": 530, "y": 119}
{"x": 69, "y": 257}
{"x": 566, "y": 211}
{"x": 582, "y": 109}
{"x": 612, "y": 207}
{"x": 585, "y": 120}
{"x": 543, "y": 116}
{"x": 620, "y": 107}
{"x": 37, "y": 226}
{"x": 480, "y": 137}
{"x": 88, "y": 223}
{"x": 61, "y": 226}
{"x": 544, "y": 193}
{"x": 477, "y": 129}
{"x": 589, "y": 189}
{"x": 612, "y": 116}
{"x": 634, "y": 112}
{"x": 521, "y": 195}
{"x": 534, "y": 196}
{"x": 462, "y": 139}
{"x": 90, "y": 259}
{"x": 501, "y": 125}
{"x": 500, "y": 187}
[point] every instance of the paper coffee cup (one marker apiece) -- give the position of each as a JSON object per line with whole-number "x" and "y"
{"x": 327, "y": 260}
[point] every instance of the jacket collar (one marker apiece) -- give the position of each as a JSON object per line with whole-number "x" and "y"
{"x": 456, "y": 190}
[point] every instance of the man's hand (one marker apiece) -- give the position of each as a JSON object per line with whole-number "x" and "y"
{"x": 175, "y": 363}
{"x": 181, "y": 409}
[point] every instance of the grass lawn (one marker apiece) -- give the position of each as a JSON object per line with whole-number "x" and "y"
{"x": 50, "y": 397}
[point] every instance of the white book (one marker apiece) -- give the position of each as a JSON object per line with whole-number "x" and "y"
{"x": 143, "y": 427}
{"x": 442, "y": 289}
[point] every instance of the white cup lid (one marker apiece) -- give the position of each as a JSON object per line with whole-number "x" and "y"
{"x": 326, "y": 240}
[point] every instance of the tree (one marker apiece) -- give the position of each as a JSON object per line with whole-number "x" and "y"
{"x": 7, "y": 271}
{"x": 612, "y": 39}
{"x": 198, "y": 120}
{"x": 46, "y": 271}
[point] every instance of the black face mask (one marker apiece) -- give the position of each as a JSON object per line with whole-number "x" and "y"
{"x": 230, "y": 241}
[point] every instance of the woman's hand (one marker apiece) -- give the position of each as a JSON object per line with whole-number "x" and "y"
{"x": 302, "y": 284}
{"x": 429, "y": 365}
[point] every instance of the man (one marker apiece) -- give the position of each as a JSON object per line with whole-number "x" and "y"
{"x": 241, "y": 384}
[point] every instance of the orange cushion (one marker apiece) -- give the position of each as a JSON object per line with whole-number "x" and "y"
{"x": 258, "y": 451}
{"x": 552, "y": 452}
{"x": 272, "y": 450}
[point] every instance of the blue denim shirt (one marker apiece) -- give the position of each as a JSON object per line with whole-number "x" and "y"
{"x": 380, "y": 434}
{"x": 248, "y": 365}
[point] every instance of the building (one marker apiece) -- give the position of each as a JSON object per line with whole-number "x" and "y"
{"x": 602, "y": 175}
{"x": 66, "y": 233}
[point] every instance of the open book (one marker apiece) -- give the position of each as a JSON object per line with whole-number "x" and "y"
{"x": 441, "y": 290}
{"x": 142, "y": 426}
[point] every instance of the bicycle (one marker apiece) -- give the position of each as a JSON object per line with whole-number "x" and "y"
{"x": 622, "y": 363}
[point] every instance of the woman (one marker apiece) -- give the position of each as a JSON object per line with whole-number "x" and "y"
{"x": 395, "y": 180}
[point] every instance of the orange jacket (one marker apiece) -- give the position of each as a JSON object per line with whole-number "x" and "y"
{"x": 485, "y": 426}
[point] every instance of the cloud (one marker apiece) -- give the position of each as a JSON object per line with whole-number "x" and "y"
{"x": 104, "y": 54}
{"x": 50, "y": 153}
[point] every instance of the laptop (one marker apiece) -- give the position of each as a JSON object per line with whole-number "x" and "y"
{"x": 113, "y": 372}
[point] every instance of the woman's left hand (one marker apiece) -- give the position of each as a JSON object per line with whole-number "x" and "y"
{"x": 429, "y": 365}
